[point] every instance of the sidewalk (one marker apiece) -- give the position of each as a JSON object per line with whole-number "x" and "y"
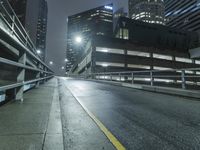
{"x": 34, "y": 124}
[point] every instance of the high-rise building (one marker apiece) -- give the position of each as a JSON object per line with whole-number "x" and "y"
{"x": 97, "y": 21}
{"x": 183, "y": 14}
{"x": 19, "y": 7}
{"x": 33, "y": 16}
{"x": 151, "y": 11}
{"x": 36, "y": 23}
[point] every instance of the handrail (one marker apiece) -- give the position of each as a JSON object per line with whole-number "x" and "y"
{"x": 169, "y": 76}
{"x": 28, "y": 68}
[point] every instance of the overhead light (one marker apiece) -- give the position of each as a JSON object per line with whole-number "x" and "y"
{"x": 105, "y": 65}
{"x": 78, "y": 39}
{"x": 51, "y": 62}
{"x": 38, "y": 51}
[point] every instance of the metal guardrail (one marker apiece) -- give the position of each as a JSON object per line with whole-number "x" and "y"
{"x": 18, "y": 52}
{"x": 182, "y": 78}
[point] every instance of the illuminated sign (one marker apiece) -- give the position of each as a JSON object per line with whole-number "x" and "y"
{"x": 109, "y": 7}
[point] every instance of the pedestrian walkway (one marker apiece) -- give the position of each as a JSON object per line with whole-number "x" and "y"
{"x": 34, "y": 124}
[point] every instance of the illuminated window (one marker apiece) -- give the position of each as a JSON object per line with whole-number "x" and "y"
{"x": 109, "y": 50}
{"x": 107, "y": 64}
{"x": 138, "y": 66}
{"x": 186, "y": 60}
{"x": 137, "y": 53}
{"x": 159, "y": 56}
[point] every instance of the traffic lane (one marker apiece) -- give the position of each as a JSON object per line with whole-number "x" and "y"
{"x": 142, "y": 120}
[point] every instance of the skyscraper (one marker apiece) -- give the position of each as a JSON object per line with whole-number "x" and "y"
{"x": 97, "y": 21}
{"x": 36, "y": 23}
{"x": 19, "y": 7}
{"x": 151, "y": 11}
{"x": 183, "y": 14}
{"x": 33, "y": 16}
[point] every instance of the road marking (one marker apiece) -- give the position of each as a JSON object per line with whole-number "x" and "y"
{"x": 107, "y": 133}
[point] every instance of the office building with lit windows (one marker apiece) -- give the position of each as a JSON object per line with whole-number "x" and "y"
{"x": 106, "y": 54}
{"x": 151, "y": 11}
{"x": 138, "y": 46}
{"x": 97, "y": 21}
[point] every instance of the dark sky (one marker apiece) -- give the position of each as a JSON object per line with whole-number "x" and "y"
{"x": 59, "y": 10}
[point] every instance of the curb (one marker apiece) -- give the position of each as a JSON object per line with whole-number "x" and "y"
{"x": 156, "y": 89}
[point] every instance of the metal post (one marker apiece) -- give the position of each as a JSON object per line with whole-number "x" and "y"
{"x": 38, "y": 75}
{"x": 152, "y": 79}
{"x": 132, "y": 78}
{"x": 111, "y": 77}
{"x": 120, "y": 77}
{"x": 183, "y": 79}
{"x": 13, "y": 25}
{"x": 20, "y": 78}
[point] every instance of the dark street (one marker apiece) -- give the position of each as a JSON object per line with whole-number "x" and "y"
{"x": 138, "y": 119}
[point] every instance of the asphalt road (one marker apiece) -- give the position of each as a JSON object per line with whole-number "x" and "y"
{"x": 141, "y": 120}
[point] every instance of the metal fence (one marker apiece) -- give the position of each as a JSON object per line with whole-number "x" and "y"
{"x": 20, "y": 66}
{"x": 179, "y": 78}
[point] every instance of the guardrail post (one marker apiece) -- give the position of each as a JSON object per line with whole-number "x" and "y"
{"x": 38, "y": 75}
{"x": 132, "y": 78}
{"x": 20, "y": 78}
{"x": 13, "y": 24}
{"x": 120, "y": 77}
{"x": 152, "y": 79}
{"x": 183, "y": 79}
{"x": 110, "y": 77}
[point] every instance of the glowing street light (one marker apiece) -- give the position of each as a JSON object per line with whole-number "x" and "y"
{"x": 66, "y": 60}
{"x": 78, "y": 39}
{"x": 51, "y": 62}
{"x": 63, "y": 68}
{"x": 38, "y": 51}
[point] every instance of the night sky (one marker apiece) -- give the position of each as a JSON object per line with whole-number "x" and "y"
{"x": 59, "y": 10}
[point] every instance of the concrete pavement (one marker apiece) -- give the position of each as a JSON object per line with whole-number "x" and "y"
{"x": 85, "y": 115}
{"x": 141, "y": 119}
{"x": 34, "y": 124}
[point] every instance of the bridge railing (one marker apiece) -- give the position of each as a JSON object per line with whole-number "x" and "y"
{"x": 20, "y": 66}
{"x": 179, "y": 78}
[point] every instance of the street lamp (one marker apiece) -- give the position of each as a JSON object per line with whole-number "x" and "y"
{"x": 38, "y": 51}
{"x": 66, "y": 60}
{"x": 51, "y": 62}
{"x": 63, "y": 68}
{"x": 78, "y": 39}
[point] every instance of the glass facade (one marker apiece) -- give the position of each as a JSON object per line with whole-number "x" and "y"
{"x": 183, "y": 14}
{"x": 151, "y": 11}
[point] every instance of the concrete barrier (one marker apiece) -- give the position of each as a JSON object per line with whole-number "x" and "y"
{"x": 164, "y": 90}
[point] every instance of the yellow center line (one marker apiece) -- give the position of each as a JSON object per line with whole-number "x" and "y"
{"x": 116, "y": 143}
